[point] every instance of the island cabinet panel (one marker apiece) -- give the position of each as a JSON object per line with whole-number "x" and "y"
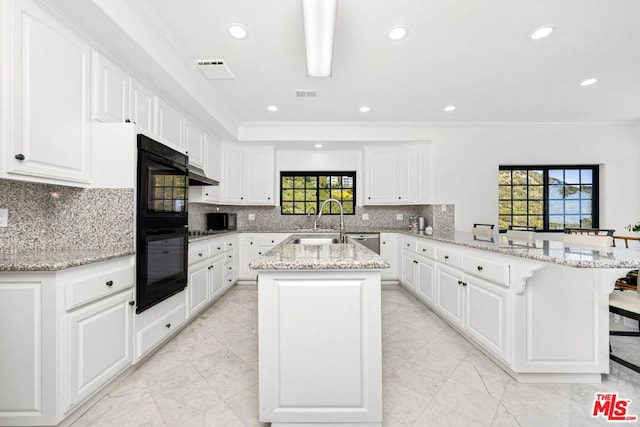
{"x": 320, "y": 347}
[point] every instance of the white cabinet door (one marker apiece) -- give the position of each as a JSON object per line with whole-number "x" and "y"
{"x": 486, "y": 313}
{"x": 248, "y": 246}
{"x": 216, "y": 277}
{"x": 259, "y": 178}
{"x": 194, "y": 137}
{"x": 100, "y": 344}
{"x": 389, "y": 251}
{"x": 425, "y": 286}
{"x": 110, "y": 91}
{"x": 49, "y": 136}
{"x": 169, "y": 125}
{"x": 141, "y": 107}
{"x": 426, "y": 179}
{"x": 449, "y": 293}
{"x": 232, "y": 174}
{"x": 409, "y": 270}
{"x": 197, "y": 288}
{"x": 408, "y": 179}
{"x": 380, "y": 172}
{"x": 212, "y": 163}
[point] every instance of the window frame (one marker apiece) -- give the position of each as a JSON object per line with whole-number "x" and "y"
{"x": 318, "y": 174}
{"x": 595, "y": 196}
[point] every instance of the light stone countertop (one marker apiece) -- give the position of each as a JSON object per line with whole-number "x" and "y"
{"x": 55, "y": 260}
{"x": 338, "y": 256}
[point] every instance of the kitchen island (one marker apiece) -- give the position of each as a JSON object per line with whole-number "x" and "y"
{"x": 319, "y": 333}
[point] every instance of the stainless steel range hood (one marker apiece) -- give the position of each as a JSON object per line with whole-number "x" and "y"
{"x": 198, "y": 177}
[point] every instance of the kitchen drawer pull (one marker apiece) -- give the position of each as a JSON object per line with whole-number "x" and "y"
{"x": 218, "y": 247}
{"x": 464, "y": 283}
{"x": 200, "y": 254}
{"x": 19, "y": 157}
{"x": 479, "y": 268}
{"x": 446, "y": 257}
{"x": 459, "y": 282}
{"x": 109, "y": 283}
{"x": 168, "y": 325}
{"x": 132, "y": 303}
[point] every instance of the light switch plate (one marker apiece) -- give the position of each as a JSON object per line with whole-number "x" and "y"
{"x": 365, "y": 217}
{"x": 399, "y": 217}
{"x": 4, "y": 217}
{"x": 252, "y": 217}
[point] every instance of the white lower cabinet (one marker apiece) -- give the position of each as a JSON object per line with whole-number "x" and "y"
{"x": 198, "y": 287}
{"x": 449, "y": 293}
{"x": 100, "y": 344}
{"x": 158, "y": 323}
{"x": 409, "y": 270}
{"x": 253, "y": 245}
{"x": 486, "y": 315}
{"x": 70, "y": 334}
{"x": 389, "y": 251}
{"x": 425, "y": 284}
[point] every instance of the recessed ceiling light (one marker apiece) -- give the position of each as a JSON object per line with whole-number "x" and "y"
{"x": 397, "y": 32}
{"x": 588, "y": 82}
{"x": 449, "y": 108}
{"x": 272, "y": 108}
{"x": 364, "y": 109}
{"x": 237, "y": 31}
{"x": 542, "y": 32}
{"x": 318, "y": 145}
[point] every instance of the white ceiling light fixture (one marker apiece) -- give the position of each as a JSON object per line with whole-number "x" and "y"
{"x": 364, "y": 109}
{"x": 237, "y": 31}
{"x": 319, "y": 19}
{"x": 541, "y": 32}
{"x": 397, "y": 32}
{"x": 272, "y": 108}
{"x": 588, "y": 82}
{"x": 318, "y": 145}
{"x": 449, "y": 108}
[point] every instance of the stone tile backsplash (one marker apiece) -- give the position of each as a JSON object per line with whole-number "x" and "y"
{"x": 268, "y": 217}
{"x": 50, "y": 217}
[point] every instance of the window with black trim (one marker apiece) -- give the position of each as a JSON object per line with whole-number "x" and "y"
{"x": 550, "y": 198}
{"x": 302, "y": 193}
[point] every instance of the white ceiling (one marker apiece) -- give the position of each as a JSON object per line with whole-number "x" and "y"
{"x": 473, "y": 54}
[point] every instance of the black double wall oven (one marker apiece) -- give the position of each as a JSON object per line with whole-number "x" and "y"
{"x": 162, "y": 218}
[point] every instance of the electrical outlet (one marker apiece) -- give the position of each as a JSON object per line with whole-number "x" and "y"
{"x": 4, "y": 217}
{"x": 252, "y": 217}
{"x": 399, "y": 217}
{"x": 365, "y": 217}
{"x": 443, "y": 208}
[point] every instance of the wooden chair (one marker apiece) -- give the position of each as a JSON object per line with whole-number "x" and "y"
{"x": 626, "y": 239}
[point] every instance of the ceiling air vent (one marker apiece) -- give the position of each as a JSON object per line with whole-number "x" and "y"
{"x": 306, "y": 93}
{"x": 214, "y": 68}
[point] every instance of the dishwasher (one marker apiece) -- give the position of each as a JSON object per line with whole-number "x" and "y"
{"x": 370, "y": 240}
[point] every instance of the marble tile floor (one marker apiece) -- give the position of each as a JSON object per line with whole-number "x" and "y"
{"x": 207, "y": 376}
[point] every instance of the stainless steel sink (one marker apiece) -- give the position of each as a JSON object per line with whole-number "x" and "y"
{"x": 315, "y": 241}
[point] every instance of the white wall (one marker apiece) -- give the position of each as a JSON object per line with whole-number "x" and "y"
{"x": 466, "y": 160}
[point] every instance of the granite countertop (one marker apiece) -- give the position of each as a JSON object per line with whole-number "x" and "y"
{"x": 540, "y": 250}
{"x": 54, "y": 260}
{"x": 338, "y": 256}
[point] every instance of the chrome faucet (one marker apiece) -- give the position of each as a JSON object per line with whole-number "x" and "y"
{"x": 312, "y": 211}
{"x": 342, "y": 234}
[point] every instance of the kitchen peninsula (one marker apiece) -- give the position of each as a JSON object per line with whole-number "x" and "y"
{"x": 320, "y": 333}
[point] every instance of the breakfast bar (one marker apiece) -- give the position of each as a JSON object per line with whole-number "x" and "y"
{"x": 319, "y": 333}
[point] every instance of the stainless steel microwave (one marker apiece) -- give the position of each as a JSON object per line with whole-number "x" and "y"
{"x": 222, "y": 221}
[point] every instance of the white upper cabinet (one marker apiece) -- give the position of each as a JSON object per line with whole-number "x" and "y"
{"x": 380, "y": 165}
{"x": 110, "y": 91}
{"x": 48, "y": 93}
{"x": 195, "y": 144}
{"x": 232, "y": 172}
{"x": 398, "y": 175}
{"x": 169, "y": 125}
{"x": 259, "y": 170}
{"x": 212, "y": 163}
{"x": 141, "y": 106}
{"x": 248, "y": 175}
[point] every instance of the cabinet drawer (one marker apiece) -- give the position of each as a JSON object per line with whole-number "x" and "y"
{"x": 490, "y": 270}
{"x": 229, "y": 244}
{"x": 271, "y": 240}
{"x": 426, "y": 249}
{"x": 409, "y": 245}
{"x": 217, "y": 247}
{"x": 88, "y": 288}
{"x": 449, "y": 257}
{"x": 198, "y": 252}
{"x": 157, "y": 331}
{"x": 228, "y": 268}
